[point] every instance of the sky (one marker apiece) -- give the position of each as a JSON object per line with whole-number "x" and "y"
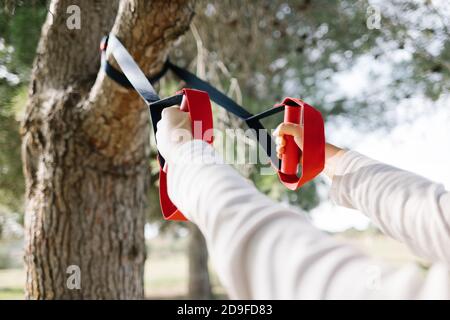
{"x": 421, "y": 140}
{"x": 420, "y": 145}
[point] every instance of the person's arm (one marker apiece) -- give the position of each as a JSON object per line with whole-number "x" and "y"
{"x": 405, "y": 206}
{"x": 263, "y": 250}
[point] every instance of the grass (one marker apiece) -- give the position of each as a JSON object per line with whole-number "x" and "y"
{"x": 166, "y": 268}
{"x": 12, "y": 284}
{"x": 11, "y": 294}
{"x": 166, "y": 273}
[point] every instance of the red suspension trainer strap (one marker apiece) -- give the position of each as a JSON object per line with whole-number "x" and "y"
{"x": 193, "y": 101}
{"x": 295, "y": 168}
{"x": 198, "y": 105}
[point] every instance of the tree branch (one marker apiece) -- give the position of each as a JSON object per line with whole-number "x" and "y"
{"x": 115, "y": 120}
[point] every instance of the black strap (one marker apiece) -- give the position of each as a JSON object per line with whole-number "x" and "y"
{"x": 120, "y": 78}
{"x": 218, "y": 97}
{"x": 131, "y": 70}
{"x": 262, "y": 136}
{"x": 133, "y": 77}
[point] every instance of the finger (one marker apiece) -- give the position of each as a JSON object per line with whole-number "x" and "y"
{"x": 280, "y": 154}
{"x": 179, "y": 135}
{"x": 290, "y": 129}
{"x": 173, "y": 117}
{"x": 276, "y": 132}
{"x": 280, "y": 141}
{"x": 298, "y": 140}
{"x": 159, "y": 124}
{"x": 280, "y": 150}
{"x": 184, "y": 118}
{"x": 167, "y": 112}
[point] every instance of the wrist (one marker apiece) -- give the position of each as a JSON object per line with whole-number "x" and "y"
{"x": 333, "y": 154}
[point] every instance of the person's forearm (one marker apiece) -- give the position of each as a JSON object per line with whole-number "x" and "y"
{"x": 406, "y": 206}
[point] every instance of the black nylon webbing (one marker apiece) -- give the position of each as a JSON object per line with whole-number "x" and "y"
{"x": 252, "y": 120}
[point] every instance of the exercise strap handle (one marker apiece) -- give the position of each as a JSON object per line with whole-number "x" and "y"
{"x": 253, "y": 121}
{"x": 198, "y": 105}
{"x": 195, "y": 102}
{"x": 311, "y": 161}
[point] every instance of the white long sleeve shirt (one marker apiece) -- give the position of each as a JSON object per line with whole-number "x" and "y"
{"x": 264, "y": 250}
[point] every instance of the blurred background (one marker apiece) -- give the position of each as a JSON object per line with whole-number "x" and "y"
{"x": 378, "y": 70}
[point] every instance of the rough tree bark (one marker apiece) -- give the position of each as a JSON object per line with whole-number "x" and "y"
{"x": 86, "y": 150}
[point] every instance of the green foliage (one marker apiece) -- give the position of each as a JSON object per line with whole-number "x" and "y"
{"x": 20, "y": 26}
{"x": 299, "y": 48}
{"x": 279, "y": 48}
{"x": 21, "y": 30}
{"x": 11, "y": 182}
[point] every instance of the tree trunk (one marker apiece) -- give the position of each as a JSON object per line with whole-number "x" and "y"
{"x": 199, "y": 282}
{"x": 86, "y": 151}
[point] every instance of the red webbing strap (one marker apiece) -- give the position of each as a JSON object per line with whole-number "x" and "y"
{"x": 312, "y": 159}
{"x": 198, "y": 105}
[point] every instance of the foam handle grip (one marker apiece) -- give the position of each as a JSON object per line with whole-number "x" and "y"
{"x": 292, "y": 153}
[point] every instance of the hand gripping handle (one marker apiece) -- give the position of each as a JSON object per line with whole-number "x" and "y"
{"x": 198, "y": 105}
{"x": 312, "y": 158}
{"x": 292, "y": 153}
